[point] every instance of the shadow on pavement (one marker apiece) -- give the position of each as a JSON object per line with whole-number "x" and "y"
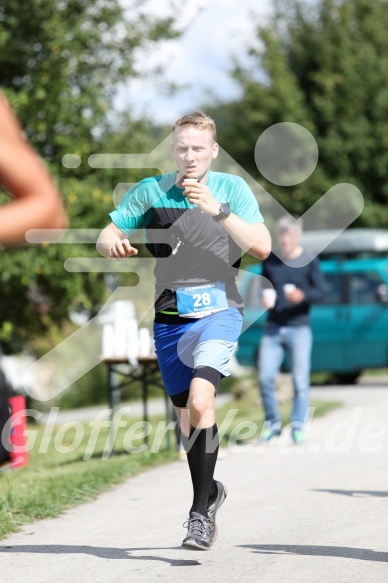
{"x": 320, "y": 551}
{"x": 101, "y": 552}
{"x": 356, "y": 493}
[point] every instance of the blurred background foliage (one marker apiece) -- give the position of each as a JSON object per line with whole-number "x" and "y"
{"x": 61, "y": 62}
{"x": 321, "y": 64}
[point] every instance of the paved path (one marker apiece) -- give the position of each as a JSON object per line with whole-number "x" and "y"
{"x": 316, "y": 514}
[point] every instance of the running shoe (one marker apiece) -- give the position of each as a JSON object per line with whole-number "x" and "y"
{"x": 201, "y": 532}
{"x": 268, "y": 434}
{"x": 222, "y": 492}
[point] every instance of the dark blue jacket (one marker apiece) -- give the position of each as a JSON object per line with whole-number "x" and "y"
{"x": 308, "y": 278}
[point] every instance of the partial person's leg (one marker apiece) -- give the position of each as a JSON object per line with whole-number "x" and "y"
{"x": 202, "y": 454}
{"x": 271, "y": 355}
{"x": 215, "y": 340}
{"x": 176, "y": 375}
{"x": 209, "y": 343}
{"x": 179, "y": 445}
{"x": 299, "y": 341}
{"x": 200, "y": 438}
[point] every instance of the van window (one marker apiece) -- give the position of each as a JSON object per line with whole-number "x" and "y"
{"x": 334, "y": 287}
{"x": 363, "y": 287}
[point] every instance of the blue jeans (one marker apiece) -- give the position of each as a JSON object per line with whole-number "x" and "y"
{"x": 276, "y": 341}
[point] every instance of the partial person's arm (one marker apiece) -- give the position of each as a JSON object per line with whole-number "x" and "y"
{"x": 265, "y": 301}
{"x": 114, "y": 244}
{"x": 37, "y": 203}
{"x": 316, "y": 292}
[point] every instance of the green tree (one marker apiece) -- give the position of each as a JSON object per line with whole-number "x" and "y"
{"x": 61, "y": 62}
{"x": 322, "y": 65}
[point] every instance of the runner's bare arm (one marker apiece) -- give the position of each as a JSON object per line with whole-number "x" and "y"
{"x": 37, "y": 203}
{"x": 253, "y": 238}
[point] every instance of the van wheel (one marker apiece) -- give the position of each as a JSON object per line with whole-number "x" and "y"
{"x": 346, "y": 378}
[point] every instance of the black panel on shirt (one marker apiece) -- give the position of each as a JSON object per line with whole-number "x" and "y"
{"x": 196, "y": 250}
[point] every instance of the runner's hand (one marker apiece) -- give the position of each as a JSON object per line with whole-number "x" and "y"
{"x": 122, "y": 249}
{"x": 200, "y": 195}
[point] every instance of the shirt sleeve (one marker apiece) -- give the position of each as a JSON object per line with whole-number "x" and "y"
{"x": 244, "y": 203}
{"x": 130, "y": 213}
{"x": 316, "y": 290}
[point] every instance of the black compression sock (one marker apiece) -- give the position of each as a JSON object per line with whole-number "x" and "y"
{"x": 213, "y": 493}
{"x": 202, "y": 457}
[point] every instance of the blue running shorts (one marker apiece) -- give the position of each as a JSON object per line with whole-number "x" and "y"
{"x": 209, "y": 341}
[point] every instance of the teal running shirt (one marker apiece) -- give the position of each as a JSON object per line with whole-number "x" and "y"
{"x": 189, "y": 246}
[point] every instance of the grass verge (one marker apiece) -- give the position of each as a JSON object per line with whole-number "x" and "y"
{"x": 58, "y": 476}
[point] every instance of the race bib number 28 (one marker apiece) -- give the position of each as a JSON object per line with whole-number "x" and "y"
{"x": 201, "y": 300}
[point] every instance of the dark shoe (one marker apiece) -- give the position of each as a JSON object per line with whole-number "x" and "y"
{"x": 201, "y": 532}
{"x": 222, "y": 492}
{"x": 268, "y": 434}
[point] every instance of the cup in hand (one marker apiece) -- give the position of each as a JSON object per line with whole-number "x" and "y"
{"x": 187, "y": 182}
{"x": 288, "y": 288}
{"x": 269, "y": 297}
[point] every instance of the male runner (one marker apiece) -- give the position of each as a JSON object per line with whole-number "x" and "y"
{"x": 198, "y": 309}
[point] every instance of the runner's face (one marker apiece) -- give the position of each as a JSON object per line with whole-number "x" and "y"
{"x": 193, "y": 151}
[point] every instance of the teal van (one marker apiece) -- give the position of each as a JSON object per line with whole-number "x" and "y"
{"x": 350, "y": 326}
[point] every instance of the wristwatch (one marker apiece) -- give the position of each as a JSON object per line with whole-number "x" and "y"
{"x": 224, "y": 212}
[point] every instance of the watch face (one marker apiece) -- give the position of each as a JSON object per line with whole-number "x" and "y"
{"x": 225, "y": 209}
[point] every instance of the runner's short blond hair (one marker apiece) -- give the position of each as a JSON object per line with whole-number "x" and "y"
{"x": 199, "y": 120}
